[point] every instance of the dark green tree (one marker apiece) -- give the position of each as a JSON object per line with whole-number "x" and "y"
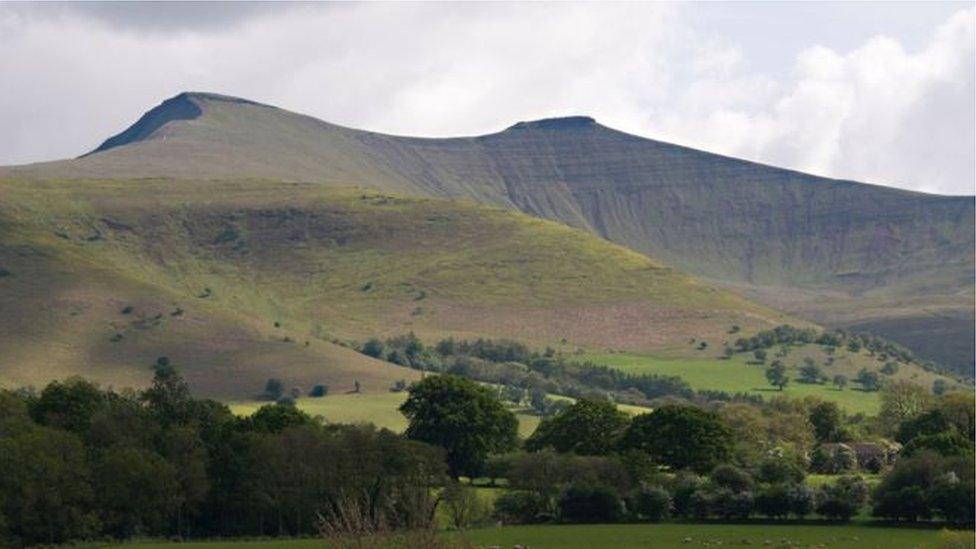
{"x": 682, "y": 437}
{"x": 827, "y": 421}
{"x": 168, "y": 398}
{"x": 588, "y": 427}
{"x": 776, "y": 375}
{"x": 464, "y": 418}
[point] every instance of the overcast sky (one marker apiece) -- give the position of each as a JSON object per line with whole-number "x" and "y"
{"x": 876, "y": 92}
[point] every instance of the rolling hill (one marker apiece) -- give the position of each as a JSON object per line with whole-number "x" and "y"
{"x": 838, "y": 253}
{"x": 244, "y": 280}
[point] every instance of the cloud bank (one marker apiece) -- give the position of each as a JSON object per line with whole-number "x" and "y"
{"x": 877, "y": 111}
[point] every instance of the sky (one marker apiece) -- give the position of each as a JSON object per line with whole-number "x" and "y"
{"x": 876, "y": 92}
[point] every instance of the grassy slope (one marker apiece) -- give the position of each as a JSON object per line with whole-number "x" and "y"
{"x": 742, "y": 374}
{"x": 830, "y": 251}
{"x": 237, "y": 258}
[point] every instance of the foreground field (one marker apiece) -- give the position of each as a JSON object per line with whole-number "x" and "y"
{"x": 685, "y": 535}
{"x": 660, "y": 536}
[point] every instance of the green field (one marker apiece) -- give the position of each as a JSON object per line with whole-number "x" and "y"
{"x": 382, "y": 409}
{"x": 622, "y": 536}
{"x": 741, "y": 374}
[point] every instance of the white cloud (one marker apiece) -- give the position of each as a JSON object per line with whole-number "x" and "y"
{"x": 875, "y": 113}
{"x": 70, "y": 77}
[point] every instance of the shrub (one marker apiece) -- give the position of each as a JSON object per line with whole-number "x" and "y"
{"x": 399, "y": 386}
{"x": 730, "y": 504}
{"x": 274, "y": 388}
{"x": 374, "y": 348}
{"x": 841, "y": 500}
{"x": 777, "y": 470}
{"x": 652, "y": 503}
{"x": 590, "y": 503}
{"x": 684, "y": 486}
{"x": 801, "y": 500}
{"x": 519, "y": 507}
{"x": 319, "y": 391}
{"x": 773, "y": 501}
{"x": 731, "y": 478}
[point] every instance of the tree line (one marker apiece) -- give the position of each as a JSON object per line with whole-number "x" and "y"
{"x": 79, "y": 462}
{"x": 512, "y": 364}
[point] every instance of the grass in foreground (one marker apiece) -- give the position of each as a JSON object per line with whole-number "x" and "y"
{"x": 693, "y": 535}
{"x": 623, "y": 536}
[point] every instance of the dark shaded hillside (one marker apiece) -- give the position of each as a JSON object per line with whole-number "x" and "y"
{"x": 838, "y": 252}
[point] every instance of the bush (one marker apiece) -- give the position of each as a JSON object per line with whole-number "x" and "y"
{"x": 590, "y": 503}
{"x": 841, "y": 500}
{"x": 374, "y": 348}
{"x": 773, "y": 501}
{"x": 652, "y": 503}
{"x": 730, "y": 504}
{"x": 731, "y": 478}
{"x": 399, "y": 386}
{"x": 777, "y": 470}
{"x": 319, "y": 391}
{"x": 519, "y": 507}
{"x": 801, "y": 500}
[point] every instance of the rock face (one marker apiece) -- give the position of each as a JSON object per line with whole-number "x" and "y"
{"x": 837, "y": 252}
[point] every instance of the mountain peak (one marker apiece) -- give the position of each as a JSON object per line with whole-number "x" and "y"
{"x": 561, "y": 123}
{"x": 180, "y": 107}
{"x": 184, "y": 106}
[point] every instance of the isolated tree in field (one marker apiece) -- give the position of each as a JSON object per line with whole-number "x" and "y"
{"x": 588, "y": 427}
{"x": 840, "y": 381}
{"x": 464, "y": 418}
{"x": 811, "y": 373}
{"x": 870, "y": 381}
{"x": 682, "y": 437}
{"x": 274, "y": 388}
{"x": 776, "y": 375}
{"x": 890, "y": 368}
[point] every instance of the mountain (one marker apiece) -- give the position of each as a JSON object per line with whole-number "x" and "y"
{"x": 839, "y": 253}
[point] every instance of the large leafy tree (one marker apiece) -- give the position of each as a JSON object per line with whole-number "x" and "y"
{"x": 588, "y": 427}
{"x": 682, "y": 437}
{"x": 464, "y": 418}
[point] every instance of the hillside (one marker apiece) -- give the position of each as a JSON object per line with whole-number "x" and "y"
{"x": 240, "y": 281}
{"x": 839, "y": 253}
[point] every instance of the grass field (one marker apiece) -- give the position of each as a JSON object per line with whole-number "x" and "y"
{"x": 741, "y": 374}
{"x": 382, "y": 410}
{"x": 625, "y": 536}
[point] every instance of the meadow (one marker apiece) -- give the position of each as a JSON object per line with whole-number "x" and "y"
{"x": 742, "y": 373}
{"x": 623, "y": 536}
{"x": 382, "y": 410}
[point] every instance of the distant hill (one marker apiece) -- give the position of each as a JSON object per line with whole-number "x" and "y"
{"x": 839, "y": 253}
{"x": 238, "y": 282}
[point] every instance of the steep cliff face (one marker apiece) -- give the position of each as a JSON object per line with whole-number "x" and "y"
{"x": 838, "y": 252}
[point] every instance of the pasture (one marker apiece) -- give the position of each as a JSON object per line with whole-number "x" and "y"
{"x": 624, "y": 536}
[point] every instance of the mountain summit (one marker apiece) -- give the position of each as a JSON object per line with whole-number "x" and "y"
{"x": 836, "y": 252}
